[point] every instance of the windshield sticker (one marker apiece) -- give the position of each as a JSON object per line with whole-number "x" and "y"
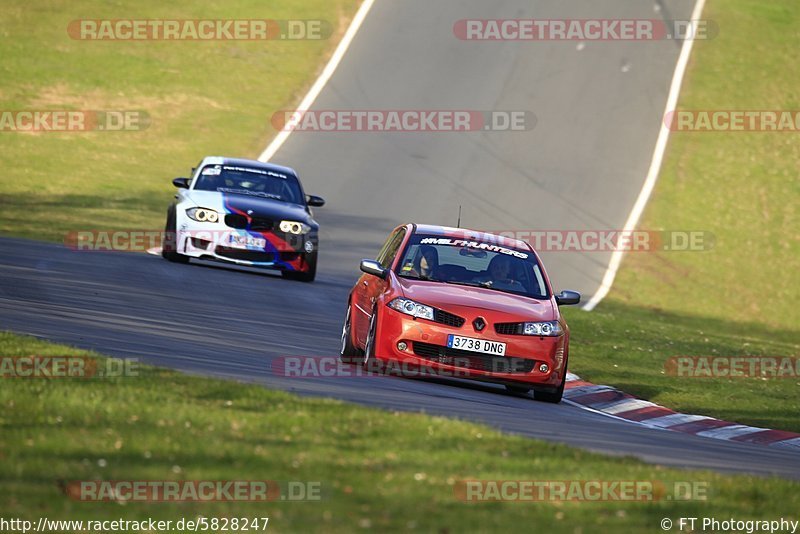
{"x": 256, "y": 171}
{"x": 212, "y": 171}
{"x": 462, "y": 243}
{"x": 235, "y": 191}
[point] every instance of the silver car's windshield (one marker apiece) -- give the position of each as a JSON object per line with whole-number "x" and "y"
{"x": 251, "y": 181}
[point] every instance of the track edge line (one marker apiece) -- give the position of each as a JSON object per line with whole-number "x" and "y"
{"x": 323, "y": 78}
{"x": 653, "y": 171}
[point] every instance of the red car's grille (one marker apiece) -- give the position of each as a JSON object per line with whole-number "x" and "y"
{"x": 473, "y": 360}
{"x": 450, "y": 319}
{"x": 509, "y": 329}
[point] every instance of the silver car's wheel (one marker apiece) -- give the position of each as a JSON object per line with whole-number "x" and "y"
{"x": 169, "y": 244}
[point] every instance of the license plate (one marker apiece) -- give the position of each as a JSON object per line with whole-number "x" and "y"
{"x": 472, "y": 344}
{"x": 247, "y": 241}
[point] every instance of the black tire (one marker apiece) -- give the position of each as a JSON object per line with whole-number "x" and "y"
{"x": 348, "y": 352}
{"x": 369, "y": 362}
{"x": 518, "y": 389}
{"x": 307, "y": 276}
{"x": 169, "y": 245}
{"x": 553, "y": 397}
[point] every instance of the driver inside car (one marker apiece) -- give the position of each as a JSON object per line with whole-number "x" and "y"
{"x": 426, "y": 262}
{"x": 499, "y": 275}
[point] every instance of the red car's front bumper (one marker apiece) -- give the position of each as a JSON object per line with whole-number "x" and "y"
{"x": 426, "y": 347}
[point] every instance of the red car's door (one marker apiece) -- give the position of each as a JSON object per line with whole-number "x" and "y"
{"x": 359, "y": 313}
{"x": 369, "y": 287}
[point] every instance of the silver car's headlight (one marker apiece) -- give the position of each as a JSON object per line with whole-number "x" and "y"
{"x": 549, "y": 328}
{"x": 202, "y": 215}
{"x": 414, "y": 309}
{"x": 294, "y": 227}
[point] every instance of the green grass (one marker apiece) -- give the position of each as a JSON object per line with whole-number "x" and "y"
{"x": 743, "y": 187}
{"x": 203, "y": 98}
{"x": 386, "y": 470}
{"x": 739, "y": 298}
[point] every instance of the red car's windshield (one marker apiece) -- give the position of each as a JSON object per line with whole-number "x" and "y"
{"x": 474, "y": 263}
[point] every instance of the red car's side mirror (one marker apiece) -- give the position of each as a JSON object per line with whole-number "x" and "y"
{"x": 567, "y": 297}
{"x": 374, "y": 268}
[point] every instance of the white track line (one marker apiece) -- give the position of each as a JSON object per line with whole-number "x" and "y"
{"x": 326, "y": 74}
{"x": 674, "y": 419}
{"x": 730, "y": 432}
{"x": 792, "y": 443}
{"x": 625, "y": 405}
{"x": 655, "y": 165}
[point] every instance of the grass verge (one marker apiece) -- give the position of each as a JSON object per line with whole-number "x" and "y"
{"x": 385, "y": 470}
{"x": 203, "y": 98}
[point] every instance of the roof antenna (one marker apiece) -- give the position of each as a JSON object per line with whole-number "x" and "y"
{"x": 459, "y": 217}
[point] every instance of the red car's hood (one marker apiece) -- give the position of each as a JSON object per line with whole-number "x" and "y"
{"x": 452, "y": 298}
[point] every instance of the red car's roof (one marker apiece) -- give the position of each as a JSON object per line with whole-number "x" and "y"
{"x": 476, "y": 235}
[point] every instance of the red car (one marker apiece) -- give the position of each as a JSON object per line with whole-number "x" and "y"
{"x": 460, "y": 303}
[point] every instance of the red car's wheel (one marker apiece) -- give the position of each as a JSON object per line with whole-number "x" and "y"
{"x": 369, "y": 346}
{"x": 551, "y": 396}
{"x": 348, "y": 352}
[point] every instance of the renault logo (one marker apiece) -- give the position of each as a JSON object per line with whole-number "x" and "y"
{"x": 479, "y": 324}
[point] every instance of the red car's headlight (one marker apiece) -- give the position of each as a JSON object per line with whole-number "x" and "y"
{"x": 414, "y": 309}
{"x": 549, "y": 328}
